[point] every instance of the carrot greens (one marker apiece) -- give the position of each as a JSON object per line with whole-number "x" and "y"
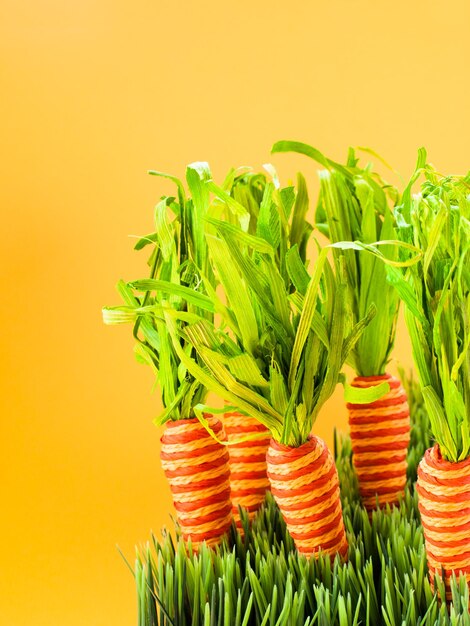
{"x": 355, "y": 204}
{"x": 178, "y": 257}
{"x": 182, "y": 288}
{"x": 279, "y": 352}
{"x": 436, "y": 294}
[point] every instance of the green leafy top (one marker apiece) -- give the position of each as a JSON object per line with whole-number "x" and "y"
{"x": 436, "y": 293}
{"x": 179, "y": 256}
{"x": 283, "y": 335}
{"x": 355, "y": 204}
{"x": 182, "y": 282}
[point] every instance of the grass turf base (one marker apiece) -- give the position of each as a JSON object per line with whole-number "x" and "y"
{"x": 260, "y": 580}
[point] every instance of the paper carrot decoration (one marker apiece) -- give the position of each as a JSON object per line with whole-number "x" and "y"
{"x": 436, "y": 294}
{"x": 306, "y": 337}
{"x": 249, "y": 441}
{"x": 197, "y": 469}
{"x": 356, "y": 205}
{"x": 380, "y": 434}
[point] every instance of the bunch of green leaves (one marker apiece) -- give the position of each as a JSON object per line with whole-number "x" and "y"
{"x": 178, "y": 256}
{"x": 284, "y": 335}
{"x": 182, "y": 285}
{"x": 420, "y": 432}
{"x": 436, "y": 294}
{"x": 356, "y": 205}
{"x": 258, "y": 578}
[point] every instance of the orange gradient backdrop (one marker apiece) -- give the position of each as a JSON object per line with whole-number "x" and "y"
{"x": 94, "y": 93}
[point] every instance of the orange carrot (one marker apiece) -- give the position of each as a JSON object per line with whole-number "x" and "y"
{"x": 444, "y": 503}
{"x": 380, "y": 434}
{"x": 248, "y": 478}
{"x": 197, "y": 468}
{"x": 304, "y": 483}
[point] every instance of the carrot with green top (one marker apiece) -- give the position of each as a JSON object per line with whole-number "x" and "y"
{"x": 356, "y": 205}
{"x": 195, "y": 464}
{"x": 293, "y": 333}
{"x": 436, "y": 295}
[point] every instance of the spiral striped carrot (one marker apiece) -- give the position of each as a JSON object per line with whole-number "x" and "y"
{"x": 380, "y": 434}
{"x": 197, "y": 468}
{"x": 444, "y": 503}
{"x": 304, "y": 483}
{"x": 248, "y": 478}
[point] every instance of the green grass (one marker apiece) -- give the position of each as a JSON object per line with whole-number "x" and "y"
{"x": 261, "y": 580}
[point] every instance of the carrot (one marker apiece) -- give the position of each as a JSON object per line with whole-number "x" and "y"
{"x": 197, "y": 468}
{"x": 248, "y": 478}
{"x": 287, "y": 396}
{"x": 357, "y": 206}
{"x": 290, "y": 333}
{"x": 380, "y": 434}
{"x": 444, "y": 503}
{"x": 195, "y": 464}
{"x": 436, "y": 293}
{"x": 304, "y": 483}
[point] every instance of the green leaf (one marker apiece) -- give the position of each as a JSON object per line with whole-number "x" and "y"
{"x": 218, "y": 379}
{"x": 306, "y": 318}
{"x": 164, "y": 230}
{"x": 406, "y": 293}
{"x": 236, "y": 292}
{"x": 145, "y": 241}
{"x": 439, "y": 423}
{"x": 296, "y": 269}
{"x": 268, "y": 226}
{"x": 174, "y": 179}
{"x": 335, "y": 354}
{"x": 119, "y": 315}
{"x": 301, "y": 205}
{"x": 190, "y": 295}
{"x": 318, "y": 322}
{"x": 357, "y": 330}
{"x": 366, "y": 395}
{"x": 278, "y": 391}
{"x": 197, "y": 175}
{"x": 170, "y": 409}
{"x": 313, "y": 153}
{"x": 372, "y": 248}
{"x": 245, "y": 369}
{"x": 235, "y": 207}
{"x": 229, "y": 230}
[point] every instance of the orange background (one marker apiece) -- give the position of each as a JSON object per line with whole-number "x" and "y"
{"x": 95, "y": 92}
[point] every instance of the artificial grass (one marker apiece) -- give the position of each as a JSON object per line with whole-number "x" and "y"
{"x": 260, "y": 580}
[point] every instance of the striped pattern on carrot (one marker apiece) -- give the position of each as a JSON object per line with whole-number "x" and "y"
{"x": 249, "y": 441}
{"x": 304, "y": 483}
{"x": 444, "y": 503}
{"x": 197, "y": 468}
{"x": 380, "y": 434}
